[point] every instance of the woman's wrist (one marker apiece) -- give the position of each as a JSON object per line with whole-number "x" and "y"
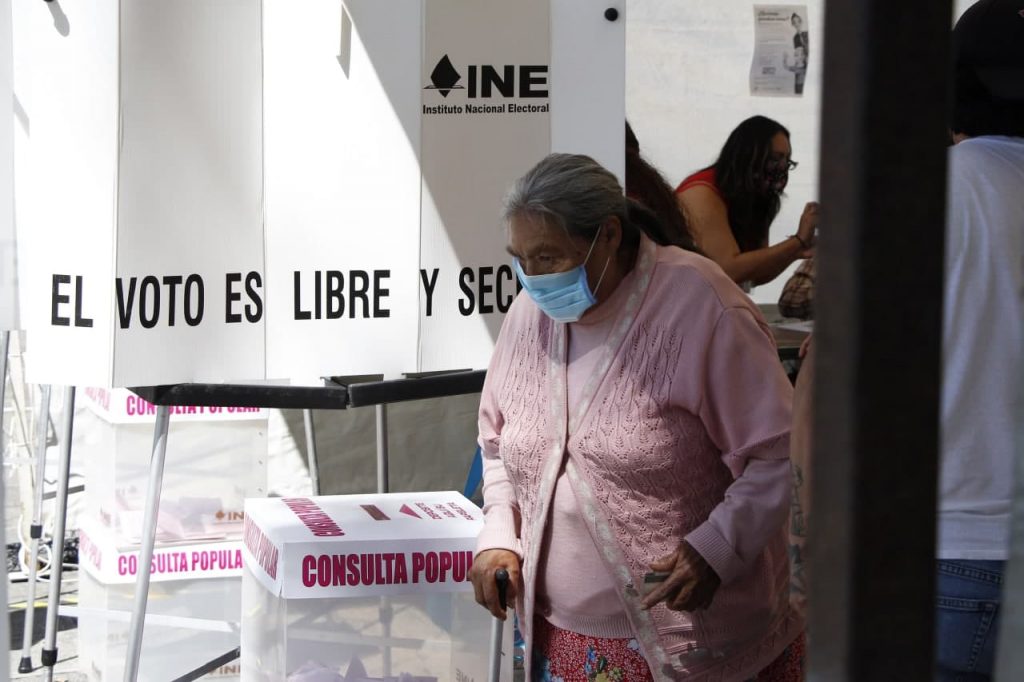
{"x": 800, "y": 240}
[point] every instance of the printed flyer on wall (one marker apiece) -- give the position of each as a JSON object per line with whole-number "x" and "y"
{"x": 781, "y": 48}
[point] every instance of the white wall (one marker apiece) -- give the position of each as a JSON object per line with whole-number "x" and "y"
{"x": 687, "y": 66}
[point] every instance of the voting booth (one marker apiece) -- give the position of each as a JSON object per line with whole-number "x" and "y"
{"x": 143, "y": 190}
{"x": 258, "y": 190}
{"x": 416, "y": 119}
{"x": 363, "y": 587}
{"x": 276, "y": 190}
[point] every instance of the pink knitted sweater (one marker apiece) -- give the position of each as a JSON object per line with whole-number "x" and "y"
{"x": 687, "y": 395}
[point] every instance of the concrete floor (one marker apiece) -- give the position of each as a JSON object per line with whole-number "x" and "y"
{"x": 66, "y": 669}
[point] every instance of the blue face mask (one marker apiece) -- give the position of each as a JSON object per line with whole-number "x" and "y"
{"x": 563, "y": 296}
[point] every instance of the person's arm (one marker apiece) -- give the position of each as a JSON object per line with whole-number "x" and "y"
{"x": 708, "y": 219}
{"x": 501, "y": 508}
{"x": 745, "y": 408}
{"x": 498, "y": 545}
{"x": 747, "y": 412}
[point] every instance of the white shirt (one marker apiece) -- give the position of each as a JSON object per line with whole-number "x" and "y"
{"x": 982, "y": 347}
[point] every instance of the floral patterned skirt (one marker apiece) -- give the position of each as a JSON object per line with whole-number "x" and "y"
{"x": 788, "y": 666}
{"x": 564, "y": 656}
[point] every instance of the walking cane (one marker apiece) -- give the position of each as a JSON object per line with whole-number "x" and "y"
{"x": 497, "y": 626}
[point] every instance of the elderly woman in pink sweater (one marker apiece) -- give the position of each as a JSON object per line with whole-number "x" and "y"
{"x": 635, "y": 430}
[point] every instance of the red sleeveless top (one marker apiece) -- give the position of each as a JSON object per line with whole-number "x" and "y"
{"x": 705, "y": 177}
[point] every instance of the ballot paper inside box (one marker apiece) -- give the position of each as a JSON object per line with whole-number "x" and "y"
{"x": 363, "y": 587}
{"x": 192, "y": 614}
{"x": 212, "y": 466}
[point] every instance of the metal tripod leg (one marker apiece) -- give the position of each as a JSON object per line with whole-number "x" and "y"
{"x": 311, "y": 457}
{"x": 5, "y": 341}
{"x": 36, "y": 529}
{"x": 4, "y": 347}
{"x": 383, "y": 485}
{"x": 148, "y": 537}
{"x": 60, "y": 518}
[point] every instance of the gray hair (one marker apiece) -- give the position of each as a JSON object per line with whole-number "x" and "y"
{"x": 571, "y": 191}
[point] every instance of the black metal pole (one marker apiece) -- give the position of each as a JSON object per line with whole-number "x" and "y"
{"x": 878, "y": 337}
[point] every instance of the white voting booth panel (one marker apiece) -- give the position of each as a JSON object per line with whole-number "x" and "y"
{"x": 143, "y": 191}
{"x": 8, "y": 242}
{"x": 371, "y": 583}
{"x": 194, "y": 614}
{"x": 392, "y": 130}
{"x": 212, "y": 466}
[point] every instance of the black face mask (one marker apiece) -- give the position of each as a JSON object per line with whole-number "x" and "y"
{"x": 776, "y": 179}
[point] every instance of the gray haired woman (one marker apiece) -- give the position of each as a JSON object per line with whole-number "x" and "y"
{"x": 635, "y": 430}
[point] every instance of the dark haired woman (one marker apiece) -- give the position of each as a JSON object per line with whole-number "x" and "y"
{"x": 645, "y": 183}
{"x": 730, "y": 205}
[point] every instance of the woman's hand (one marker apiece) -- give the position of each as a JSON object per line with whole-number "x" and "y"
{"x": 486, "y": 587}
{"x": 805, "y": 346}
{"x": 690, "y": 585}
{"x": 808, "y": 224}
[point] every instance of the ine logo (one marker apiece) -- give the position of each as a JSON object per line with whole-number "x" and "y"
{"x": 487, "y": 81}
{"x": 444, "y": 78}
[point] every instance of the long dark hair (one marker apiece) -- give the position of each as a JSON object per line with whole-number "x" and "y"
{"x": 646, "y": 185}
{"x": 740, "y": 176}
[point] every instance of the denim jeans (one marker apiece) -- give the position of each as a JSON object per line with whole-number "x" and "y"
{"x": 967, "y": 599}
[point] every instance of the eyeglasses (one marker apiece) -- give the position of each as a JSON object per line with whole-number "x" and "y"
{"x": 781, "y": 163}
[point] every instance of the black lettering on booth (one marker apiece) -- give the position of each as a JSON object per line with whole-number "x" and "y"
{"x": 329, "y": 292}
{"x": 428, "y": 289}
{"x": 380, "y": 292}
{"x": 467, "y": 305}
{"x": 58, "y": 299}
{"x": 254, "y": 308}
{"x": 172, "y": 283}
{"x": 359, "y": 285}
{"x": 232, "y": 297}
{"x": 194, "y": 294}
{"x": 300, "y": 314}
{"x": 531, "y": 77}
{"x": 485, "y": 289}
{"x": 504, "y": 299}
{"x": 149, "y": 290}
{"x": 335, "y": 294}
{"x": 144, "y": 296}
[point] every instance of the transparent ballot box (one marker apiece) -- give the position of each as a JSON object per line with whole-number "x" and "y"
{"x": 215, "y": 460}
{"x": 189, "y": 623}
{"x": 364, "y": 587}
